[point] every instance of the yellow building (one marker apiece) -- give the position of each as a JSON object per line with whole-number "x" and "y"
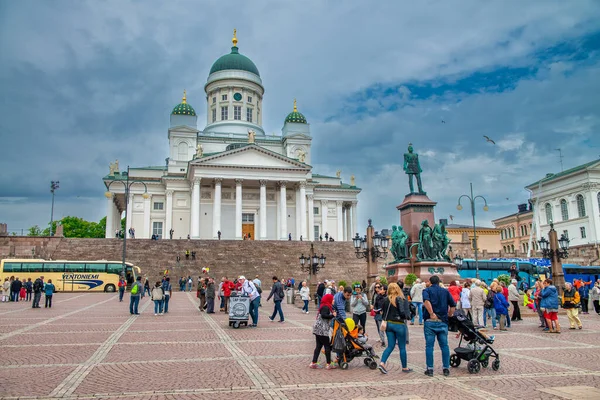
{"x": 515, "y": 231}
{"x": 488, "y": 239}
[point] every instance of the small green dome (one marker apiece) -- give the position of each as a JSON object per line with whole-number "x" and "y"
{"x": 183, "y": 108}
{"x": 234, "y": 60}
{"x": 296, "y": 116}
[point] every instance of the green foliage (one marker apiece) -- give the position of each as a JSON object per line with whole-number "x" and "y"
{"x": 383, "y": 280}
{"x": 356, "y": 283}
{"x": 75, "y": 227}
{"x": 34, "y": 231}
{"x": 504, "y": 278}
{"x": 410, "y": 279}
{"x": 343, "y": 283}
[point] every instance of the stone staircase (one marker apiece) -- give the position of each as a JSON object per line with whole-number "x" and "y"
{"x": 226, "y": 257}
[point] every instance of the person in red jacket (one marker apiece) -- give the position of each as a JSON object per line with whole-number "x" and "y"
{"x": 505, "y": 293}
{"x": 122, "y": 286}
{"x": 228, "y": 286}
{"x": 455, "y": 290}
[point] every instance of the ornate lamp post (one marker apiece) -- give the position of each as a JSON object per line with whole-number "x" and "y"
{"x": 127, "y": 184}
{"x": 53, "y": 187}
{"x": 371, "y": 247}
{"x": 312, "y": 264}
{"x": 458, "y": 261}
{"x": 485, "y": 208}
{"x": 555, "y": 249}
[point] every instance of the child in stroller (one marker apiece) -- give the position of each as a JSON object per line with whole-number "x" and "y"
{"x": 353, "y": 345}
{"x": 478, "y": 350}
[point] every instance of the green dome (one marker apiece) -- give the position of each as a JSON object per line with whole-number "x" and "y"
{"x": 183, "y": 108}
{"x": 296, "y": 116}
{"x": 234, "y": 60}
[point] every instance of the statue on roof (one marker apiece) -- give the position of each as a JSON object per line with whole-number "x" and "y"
{"x": 352, "y": 181}
{"x": 199, "y": 151}
{"x": 338, "y": 173}
{"x": 113, "y": 168}
{"x": 413, "y": 168}
{"x": 301, "y": 155}
{"x": 251, "y": 136}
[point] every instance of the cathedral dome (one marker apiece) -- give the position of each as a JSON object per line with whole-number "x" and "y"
{"x": 234, "y": 60}
{"x": 296, "y": 116}
{"x": 183, "y": 108}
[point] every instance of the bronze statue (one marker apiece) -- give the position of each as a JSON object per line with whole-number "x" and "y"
{"x": 440, "y": 242}
{"x": 413, "y": 168}
{"x": 399, "y": 238}
{"x": 426, "y": 250}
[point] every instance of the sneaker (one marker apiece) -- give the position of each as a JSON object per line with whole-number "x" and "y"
{"x": 315, "y": 366}
{"x": 331, "y": 366}
{"x": 155, "y": 314}
{"x": 446, "y": 372}
{"x": 281, "y": 322}
{"x": 429, "y": 372}
{"x": 271, "y": 319}
{"x": 382, "y": 369}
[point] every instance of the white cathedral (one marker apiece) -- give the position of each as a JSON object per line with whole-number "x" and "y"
{"x": 231, "y": 180}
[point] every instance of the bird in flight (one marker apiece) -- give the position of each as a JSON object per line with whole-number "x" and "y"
{"x": 443, "y": 122}
{"x": 451, "y": 217}
{"x": 487, "y": 139}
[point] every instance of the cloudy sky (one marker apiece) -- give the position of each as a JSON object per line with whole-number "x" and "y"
{"x": 85, "y": 82}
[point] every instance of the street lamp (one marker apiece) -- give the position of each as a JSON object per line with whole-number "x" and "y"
{"x": 485, "y": 208}
{"x": 312, "y": 263}
{"x": 127, "y": 184}
{"x": 458, "y": 261}
{"x": 555, "y": 249}
{"x": 53, "y": 187}
{"x": 377, "y": 250}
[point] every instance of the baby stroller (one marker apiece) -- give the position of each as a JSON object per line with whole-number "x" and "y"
{"x": 478, "y": 351}
{"x": 349, "y": 347}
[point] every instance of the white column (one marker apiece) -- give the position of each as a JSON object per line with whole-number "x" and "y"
{"x": 344, "y": 223}
{"x": 354, "y": 220}
{"x": 298, "y": 230}
{"x": 283, "y": 235}
{"x": 263, "y": 209}
{"x": 278, "y": 202}
{"x": 303, "y": 231}
{"x": 311, "y": 218}
{"x": 110, "y": 218}
{"x": 217, "y": 208}
{"x": 169, "y": 213}
{"x": 593, "y": 211}
{"x": 238, "y": 208}
{"x": 129, "y": 214}
{"x": 116, "y": 218}
{"x": 195, "y": 210}
{"x": 348, "y": 223}
{"x": 340, "y": 221}
{"x": 147, "y": 202}
{"x": 324, "y": 217}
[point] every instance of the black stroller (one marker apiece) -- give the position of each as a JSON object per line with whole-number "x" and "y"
{"x": 478, "y": 351}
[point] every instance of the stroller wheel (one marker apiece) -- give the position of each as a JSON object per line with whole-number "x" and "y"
{"x": 485, "y": 363}
{"x": 236, "y": 324}
{"x": 496, "y": 365}
{"x": 473, "y": 366}
{"x": 344, "y": 365}
{"x": 373, "y": 365}
{"x": 454, "y": 360}
{"x": 367, "y": 361}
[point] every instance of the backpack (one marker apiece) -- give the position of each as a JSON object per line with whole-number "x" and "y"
{"x": 489, "y": 301}
{"x": 413, "y": 310}
{"x": 281, "y": 293}
{"x": 135, "y": 288}
{"x": 258, "y": 289}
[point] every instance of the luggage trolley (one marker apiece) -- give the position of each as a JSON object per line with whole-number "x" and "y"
{"x": 239, "y": 310}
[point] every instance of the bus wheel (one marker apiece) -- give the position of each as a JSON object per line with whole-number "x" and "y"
{"x": 110, "y": 288}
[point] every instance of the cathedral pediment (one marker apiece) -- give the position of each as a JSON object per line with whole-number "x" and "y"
{"x": 183, "y": 128}
{"x": 250, "y": 156}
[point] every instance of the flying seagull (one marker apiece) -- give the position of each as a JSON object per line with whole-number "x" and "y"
{"x": 489, "y": 140}
{"x": 451, "y": 217}
{"x": 443, "y": 122}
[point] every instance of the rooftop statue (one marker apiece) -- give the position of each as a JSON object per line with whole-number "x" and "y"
{"x": 251, "y": 136}
{"x": 199, "y": 151}
{"x": 413, "y": 168}
{"x": 301, "y": 155}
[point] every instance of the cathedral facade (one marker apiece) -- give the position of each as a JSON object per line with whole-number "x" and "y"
{"x": 231, "y": 180}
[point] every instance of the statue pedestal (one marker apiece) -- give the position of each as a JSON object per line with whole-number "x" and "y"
{"x": 414, "y": 209}
{"x": 424, "y": 270}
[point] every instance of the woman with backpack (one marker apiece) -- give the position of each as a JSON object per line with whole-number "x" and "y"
{"x": 396, "y": 312}
{"x": 158, "y": 296}
{"x": 49, "y": 290}
{"x": 321, "y": 330}
{"x": 488, "y": 307}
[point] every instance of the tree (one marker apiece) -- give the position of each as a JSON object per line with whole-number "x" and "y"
{"x": 75, "y": 227}
{"x": 34, "y": 231}
{"x": 410, "y": 279}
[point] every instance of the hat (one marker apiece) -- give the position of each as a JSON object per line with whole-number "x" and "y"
{"x": 242, "y": 277}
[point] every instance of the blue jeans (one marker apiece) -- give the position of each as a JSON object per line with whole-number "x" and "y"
{"x": 277, "y": 309}
{"x": 491, "y": 312}
{"x": 318, "y": 302}
{"x": 134, "y": 301}
{"x": 158, "y": 306}
{"x": 121, "y": 293}
{"x": 15, "y": 297}
{"x": 166, "y": 303}
{"x": 396, "y": 335}
{"x": 254, "y": 310}
{"x": 222, "y": 305}
{"x": 419, "y": 305}
{"x": 305, "y": 308}
{"x": 436, "y": 330}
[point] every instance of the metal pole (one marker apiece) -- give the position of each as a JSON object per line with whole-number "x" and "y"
{"x": 474, "y": 233}
{"x": 126, "y": 216}
{"x": 52, "y": 210}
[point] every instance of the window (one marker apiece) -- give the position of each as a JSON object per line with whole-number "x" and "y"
{"x": 12, "y": 267}
{"x": 237, "y": 112}
{"x": 54, "y": 267}
{"x": 32, "y": 267}
{"x": 549, "y": 218}
{"x": 582, "y": 231}
{"x": 224, "y": 97}
{"x": 566, "y": 233}
{"x": 114, "y": 268}
{"x": 224, "y": 114}
{"x": 95, "y": 268}
{"x": 501, "y": 235}
{"x": 504, "y": 248}
{"x": 512, "y": 248}
{"x": 316, "y": 210}
{"x": 214, "y": 100}
{"x": 249, "y": 99}
{"x": 317, "y": 232}
{"x": 512, "y": 229}
{"x": 74, "y": 267}
{"x": 248, "y": 218}
{"x": 564, "y": 210}
{"x": 157, "y": 229}
{"x": 159, "y": 205}
{"x": 248, "y": 114}
{"x": 214, "y": 115}
{"x": 580, "y": 206}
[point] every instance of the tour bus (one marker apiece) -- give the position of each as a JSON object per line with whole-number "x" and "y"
{"x": 574, "y": 271}
{"x": 71, "y": 276}
{"x": 491, "y": 269}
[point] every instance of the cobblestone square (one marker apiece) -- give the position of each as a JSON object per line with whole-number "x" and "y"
{"x": 88, "y": 345}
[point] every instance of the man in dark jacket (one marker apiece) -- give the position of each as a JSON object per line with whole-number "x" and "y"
{"x": 278, "y": 295}
{"x": 320, "y": 293}
{"x": 38, "y": 287}
{"x": 15, "y": 288}
{"x": 210, "y": 296}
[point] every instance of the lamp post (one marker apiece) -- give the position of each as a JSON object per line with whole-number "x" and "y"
{"x": 53, "y": 187}
{"x": 312, "y": 264}
{"x": 458, "y": 261}
{"x": 485, "y": 208}
{"x": 371, "y": 247}
{"x": 127, "y": 184}
{"x": 555, "y": 249}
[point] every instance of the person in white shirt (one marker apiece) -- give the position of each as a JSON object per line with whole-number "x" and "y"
{"x": 305, "y": 295}
{"x": 249, "y": 289}
{"x": 416, "y": 296}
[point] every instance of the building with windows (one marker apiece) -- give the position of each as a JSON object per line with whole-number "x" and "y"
{"x": 517, "y": 235}
{"x": 461, "y": 239}
{"x": 230, "y": 179}
{"x": 571, "y": 201}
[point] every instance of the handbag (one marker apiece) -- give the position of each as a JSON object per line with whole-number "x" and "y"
{"x": 384, "y": 322}
{"x": 372, "y": 313}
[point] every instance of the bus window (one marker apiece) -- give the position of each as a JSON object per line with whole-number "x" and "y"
{"x": 54, "y": 267}
{"x": 95, "y": 267}
{"x": 115, "y": 269}
{"x": 74, "y": 267}
{"x": 12, "y": 267}
{"x": 32, "y": 267}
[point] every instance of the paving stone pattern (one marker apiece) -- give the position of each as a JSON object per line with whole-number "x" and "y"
{"x": 89, "y": 346}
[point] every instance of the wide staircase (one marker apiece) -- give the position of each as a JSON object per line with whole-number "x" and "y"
{"x": 224, "y": 257}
